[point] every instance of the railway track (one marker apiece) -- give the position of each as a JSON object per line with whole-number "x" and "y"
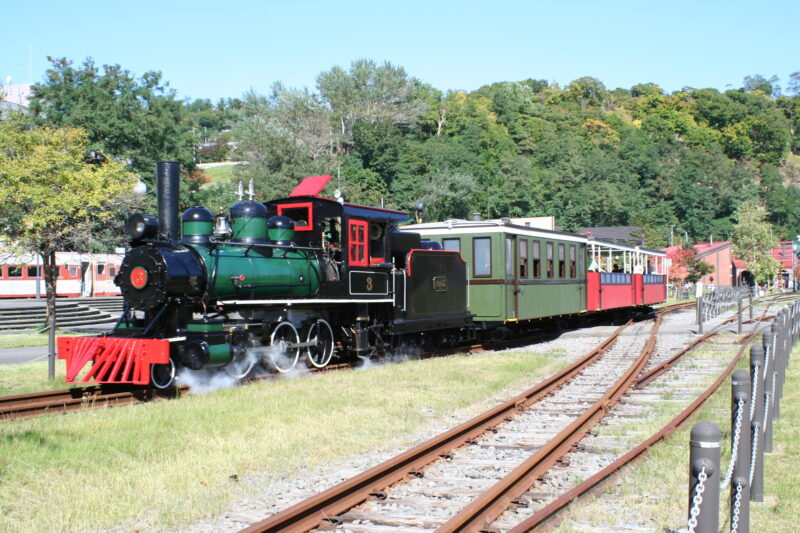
{"x": 65, "y": 400}
{"x": 100, "y": 396}
{"x": 468, "y": 477}
{"x": 443, "y": 471}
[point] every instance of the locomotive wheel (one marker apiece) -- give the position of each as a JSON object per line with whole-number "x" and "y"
{"x": 282, "y": 336}
{"x": 321, "y": 334}
{"x": 163, "y": 376}
{"x": 241, "y": 364}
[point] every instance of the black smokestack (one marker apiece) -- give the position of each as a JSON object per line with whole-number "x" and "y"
{"x": 168, "y": 189}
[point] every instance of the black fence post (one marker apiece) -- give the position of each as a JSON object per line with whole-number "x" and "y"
{"x": 769, "y": 386}
{"x": 700, "y": 314}
{"x": 739, "y": 328}
{"x": 756, "y": 473}
{"x": 740, "y": 431}
{"x": 704, "y": 478}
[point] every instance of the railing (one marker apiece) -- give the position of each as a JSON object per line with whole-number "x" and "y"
{"x": 714, "y": 303}
{"x": 755, "y": 404}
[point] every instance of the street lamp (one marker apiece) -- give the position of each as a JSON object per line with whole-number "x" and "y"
{"x": 140, "y": 188}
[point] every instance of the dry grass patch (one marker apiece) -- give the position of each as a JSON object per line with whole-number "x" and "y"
{"x": 171, "y": 462}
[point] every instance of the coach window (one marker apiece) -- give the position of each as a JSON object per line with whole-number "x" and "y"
{"x": 549, "y": 259}
{"x": 537, "y": 268}
{"x": 562, "y": 263}
{"x": 33, "y": 272}
{"x": 453, "y": 245}
{"x": 101, "y": 268}
{"x": 482, "y": 257}
{"x": 14, "y": 271}
{"x": 523, "y": 258}
{"x": 573, "y": 271}
{"x": 112, "y": 271}
{"x": 73, "y": 271}
{"x": 509, "y": 256}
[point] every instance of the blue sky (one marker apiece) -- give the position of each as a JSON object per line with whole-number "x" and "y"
{"x": 222, "y": 49}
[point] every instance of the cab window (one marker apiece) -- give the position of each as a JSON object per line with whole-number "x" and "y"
{"x": 357, "y": 242}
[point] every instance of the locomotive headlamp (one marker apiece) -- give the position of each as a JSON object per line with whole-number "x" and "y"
{"x": 141, "y": 226}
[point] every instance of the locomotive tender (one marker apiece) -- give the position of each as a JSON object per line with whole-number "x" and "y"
{"x": 314, "y": 277}
{"x": 303, "y": 275}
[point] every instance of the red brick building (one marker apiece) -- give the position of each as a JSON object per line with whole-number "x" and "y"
{"x": 717, "y": 254}
{"x": 729, "y": 271}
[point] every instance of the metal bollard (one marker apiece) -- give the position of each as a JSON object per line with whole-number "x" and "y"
{"x": 704, "y": 478}
{"x": 769, "y": 386}
{"x": 739, "y": 328}
{"x": 740, "y": 482}
{"x": 757, "y": 440}
{"x": 700, "y": 315}
{"x": 780, "y": 363}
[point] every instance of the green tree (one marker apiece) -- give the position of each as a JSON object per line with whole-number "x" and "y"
{"x": 134, "y": 120}
{"x": 371, "y": 93}
{"x": 753, "y": 241}
{"x": 587, "y": 91}
{"x": 52, "y": 192}
{"x": 283, "y": 137}
{"x": 758, "y": 82}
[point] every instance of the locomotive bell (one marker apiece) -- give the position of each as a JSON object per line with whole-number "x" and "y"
{"x": 222, "y": 227}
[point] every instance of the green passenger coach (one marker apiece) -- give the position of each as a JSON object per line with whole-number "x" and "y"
{"x": 515, "y": 273}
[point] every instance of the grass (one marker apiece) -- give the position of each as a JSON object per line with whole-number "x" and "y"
{"x": 171, "y": 462}
{"x": 24, "y": 340}
{"x": 654, "y": 491}
{"x": 222, "y": 172}
{"x": 23, "y": 378}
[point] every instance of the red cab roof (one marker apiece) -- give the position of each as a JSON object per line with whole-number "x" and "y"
{"x": 311, "y": 186}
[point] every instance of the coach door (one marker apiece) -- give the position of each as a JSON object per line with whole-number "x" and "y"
{"x": 512, "y": 277}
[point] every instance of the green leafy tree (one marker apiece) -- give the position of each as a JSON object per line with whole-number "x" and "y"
{"x": 136, "y": 120}
{"x": 447, "y": 195}
{"x": 52, "y": 192}
{"x": 758, "y": 82}
{"x": 587, "y": 91}
{"x": 283, "y": 136}
{"x": 753, "y": 240}
{"x": 370, "y": 93}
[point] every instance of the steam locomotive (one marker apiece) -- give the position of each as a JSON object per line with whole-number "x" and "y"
{"x": 315, "y": 278}
{"x": 303, "y": 276}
